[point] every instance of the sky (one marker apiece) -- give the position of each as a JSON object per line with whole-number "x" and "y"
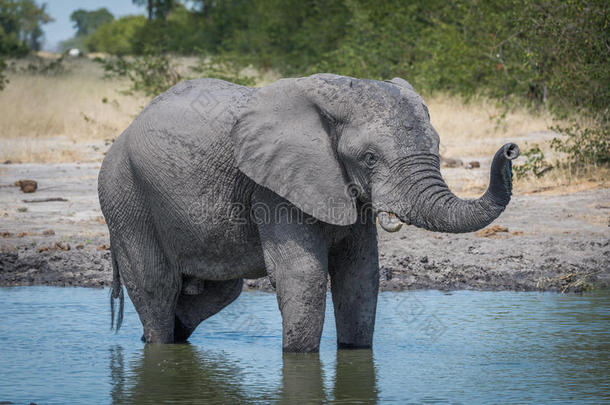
{"x": 60, "y": 11}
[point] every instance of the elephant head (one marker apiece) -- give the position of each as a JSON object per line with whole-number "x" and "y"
{"x": 329, "y": 144}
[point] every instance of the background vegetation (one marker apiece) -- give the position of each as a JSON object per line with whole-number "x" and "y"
{"x": 550, "y": 52}
{"x": 547, "y": 52}
{"x": 550, "y": 55}
{"x": 21, "y": 26}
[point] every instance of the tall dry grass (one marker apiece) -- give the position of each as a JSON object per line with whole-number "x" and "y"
{"x": 47, "y": 118}
{"x": 70, "y": 116}
{"x": 69, "y": 105}
{"x": 475, "y": 129}
{"x": 478, "y": 127}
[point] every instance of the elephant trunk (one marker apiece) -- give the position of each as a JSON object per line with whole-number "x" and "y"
{"x": 429, "y": 203}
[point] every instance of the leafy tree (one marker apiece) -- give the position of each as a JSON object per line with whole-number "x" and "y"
{"x": 117, "y": 36}
{"x": 87, "y": 22}
{"x": 181, "y": 32}
{"x": 20, "y": 26}
{"x": 158, "y": 9}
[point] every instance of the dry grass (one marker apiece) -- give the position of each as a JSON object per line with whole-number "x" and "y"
{"x": 49, "y": 150}
{"x": 46, "y": 118}
{"x": 68, "y": 105}
{"x": 477, "y": 129}
{"x": 69, "y": 117}
{"x": 561, "y": 180}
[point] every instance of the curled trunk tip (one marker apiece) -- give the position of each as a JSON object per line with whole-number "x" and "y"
{"x": 511, "y": 151}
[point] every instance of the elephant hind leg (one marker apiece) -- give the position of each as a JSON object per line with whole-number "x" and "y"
{"x": 152, "y": 283}
{"x": 153, "y": 288}
{"x": 191, "y": 310}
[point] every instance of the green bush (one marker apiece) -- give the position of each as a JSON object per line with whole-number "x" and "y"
{"x": 11, "y": 45}
{"x": 534, "y": 163}
{"x": 583, "y": 146}
{"x": 41, "y": 66}
{"x": 223, "y": 68}
{"x": 182, "y": 32}
{"x": 116, "y": 37}
{"x": 289, "y": 35}
{"x": 150, "y": 74}
{"x": 545, "y": 52}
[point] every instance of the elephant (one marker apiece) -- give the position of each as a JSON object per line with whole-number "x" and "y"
{"x": 214, "y": 182}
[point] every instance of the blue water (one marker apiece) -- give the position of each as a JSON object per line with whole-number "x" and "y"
{"x": 430, "y": 347}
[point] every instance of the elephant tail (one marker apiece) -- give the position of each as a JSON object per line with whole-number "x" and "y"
{"x": 116, "y": 291}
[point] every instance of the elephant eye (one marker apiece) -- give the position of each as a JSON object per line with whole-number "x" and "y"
{"x": 370, "y": 159}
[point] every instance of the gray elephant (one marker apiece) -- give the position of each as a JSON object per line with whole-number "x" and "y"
{"x": 215, "y": 182}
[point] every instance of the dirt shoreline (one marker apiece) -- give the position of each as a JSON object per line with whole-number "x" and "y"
{"x": 552, "y": 243}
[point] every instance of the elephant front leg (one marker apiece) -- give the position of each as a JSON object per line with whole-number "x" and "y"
{"x": 297, "y": 255}
{"x": 301, "y": 295}
{"x": 354, "y": 275}
{"x": 300, "y": 268}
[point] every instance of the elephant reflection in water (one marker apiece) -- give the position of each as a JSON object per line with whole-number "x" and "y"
{"x": 182, "y": 374}
{"x": 177, "y": 374}
{"x": 355, "y": 381}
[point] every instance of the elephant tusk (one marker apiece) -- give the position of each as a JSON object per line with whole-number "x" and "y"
{"x": 389, "y": 222}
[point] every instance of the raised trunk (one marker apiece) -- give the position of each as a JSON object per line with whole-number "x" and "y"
{"x": 431, "y": 205}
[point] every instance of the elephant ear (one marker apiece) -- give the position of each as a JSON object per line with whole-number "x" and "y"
{"x": 402, "y": 83}
{"x": 283, "y": 142}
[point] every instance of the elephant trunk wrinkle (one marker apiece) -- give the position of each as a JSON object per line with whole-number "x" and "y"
{"x": 434, "y": 207}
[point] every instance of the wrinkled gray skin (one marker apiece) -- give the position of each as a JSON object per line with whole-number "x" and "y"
{"x": 215, "y": 182}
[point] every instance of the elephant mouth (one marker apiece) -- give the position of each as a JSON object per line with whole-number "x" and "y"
{"x": 389, "y": 221}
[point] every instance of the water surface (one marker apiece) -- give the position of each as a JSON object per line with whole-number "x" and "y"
{"x": 430, "y": 347}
